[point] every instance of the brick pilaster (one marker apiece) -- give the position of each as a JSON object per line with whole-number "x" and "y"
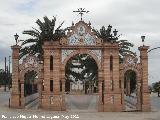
{"x": 144, "y": 87}
{"x": 15, "y": 95}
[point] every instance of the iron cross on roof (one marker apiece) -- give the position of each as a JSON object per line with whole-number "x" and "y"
{"x": 81, "y": 11}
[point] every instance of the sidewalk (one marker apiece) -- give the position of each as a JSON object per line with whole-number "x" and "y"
{"x": 2, "y": 89}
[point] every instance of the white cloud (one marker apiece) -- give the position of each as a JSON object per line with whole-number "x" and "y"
{"x": 132, "y": 19}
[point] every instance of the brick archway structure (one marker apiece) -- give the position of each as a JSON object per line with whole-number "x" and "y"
{"x": 29, "y": 63}
{"x": 131, "y": 63}
{"x": 136, "y": 68}
{"x": 81, "y": 39}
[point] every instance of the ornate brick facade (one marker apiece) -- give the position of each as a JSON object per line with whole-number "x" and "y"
{"x": 84, "y": 41}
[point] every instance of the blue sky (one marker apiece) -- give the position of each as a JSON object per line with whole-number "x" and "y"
{"x": 27, "y": 7}
{"x": 132, "y": 18}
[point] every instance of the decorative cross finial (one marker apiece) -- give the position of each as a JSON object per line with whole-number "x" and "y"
{"x": 81, "y": 11}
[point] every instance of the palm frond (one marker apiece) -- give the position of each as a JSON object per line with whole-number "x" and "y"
{"x": 36, "y": 30}
{"x": 45, "y": 32}
{"x": 40, "y": 24}
{"x": 60, "y": 26}
{"x": 31, "y": 40}
{"x": 31, "y": 33}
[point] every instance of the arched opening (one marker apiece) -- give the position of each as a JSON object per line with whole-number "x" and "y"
{"x": 81, "y": 74}
{"x": 130, "y": 90}
{"x": 30, "y": 85}
{"x": 130, "y": 83}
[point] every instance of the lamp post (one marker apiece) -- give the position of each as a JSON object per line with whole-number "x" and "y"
{"x": 115, "y": 32}
{"x": 16, "y": 36}
{"x": 143, "y": 37}
{"x": 109, "y": 32}
{"x": 109, "y": 27}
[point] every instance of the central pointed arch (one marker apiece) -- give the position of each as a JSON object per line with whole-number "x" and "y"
{"x": 76, "y": 52}
{"x": 81, "y": 81}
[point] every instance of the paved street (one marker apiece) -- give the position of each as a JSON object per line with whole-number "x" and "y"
{"x": 4, "y": 98}
{"x": 71, "y": 115}
{"x": 81, "y": 102}
{"x": 155, "y": 101}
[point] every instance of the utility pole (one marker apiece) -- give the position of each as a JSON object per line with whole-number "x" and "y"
{"x": 9, "y": 73}
{"x": 5, "y": 77}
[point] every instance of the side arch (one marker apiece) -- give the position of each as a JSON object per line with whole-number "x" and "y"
{"x": 29, "y": 64}
{"x": 138, "y": 73}
{"x": 136, "y": 70}
{"x": 23, "y": 72}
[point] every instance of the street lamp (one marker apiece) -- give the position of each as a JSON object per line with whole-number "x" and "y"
{"x": 57, "y": 31}
{"x": 115, "y": 32}
{"x": 109, "y": 27}
{"x": 143, "y": 37}
{"x": 16, "y": 38}
{"x": 109, "y": 32}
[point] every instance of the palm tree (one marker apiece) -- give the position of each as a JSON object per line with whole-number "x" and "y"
{"x": 82, "y": 67}
{"x": 85, "y": 64}
{"x": 46, "y": 31}
{"x": 125, "y": 48}
{"x": 106, "y": 35}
